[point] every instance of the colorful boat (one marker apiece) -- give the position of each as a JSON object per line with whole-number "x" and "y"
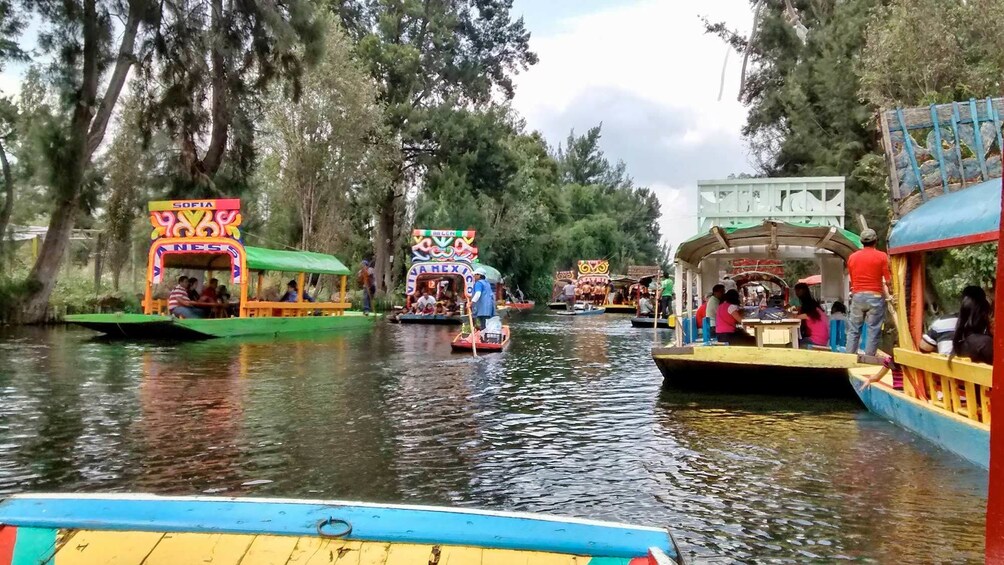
{"x": 442, "y": 263}
{"x": 626, "y": 288}
{"x": 561, "y": 278}
{"x": 814, "y": 231}
{"x": 583, "y": 309}
{"x": 947, "y": 403}
{"x": 205, "y": 235}
{"x": 135, "y": 529}
{"x": 485, "y": 342}
{"x": 521, "y": 306}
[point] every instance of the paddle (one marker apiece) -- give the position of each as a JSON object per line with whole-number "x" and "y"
{"x": 474, "y": 335}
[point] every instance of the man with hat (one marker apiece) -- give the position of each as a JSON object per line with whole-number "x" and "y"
{"x": 870, "y": 277}
{"x": 366, "y": 281}
{"x": 484, "y": 298}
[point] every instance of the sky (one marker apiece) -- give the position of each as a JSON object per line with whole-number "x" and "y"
{"x": 647, "y": 71}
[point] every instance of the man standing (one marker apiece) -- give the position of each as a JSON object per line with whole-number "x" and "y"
{"x": 666, "y": 299}
{"x": 484, "y": 298}
{"x": 569, "y": 293}
{"x": 870, "y": 276}
{"x": 178, "y": 303}
{"x": 365, "y": 278}
{"x": 714, "y": 301}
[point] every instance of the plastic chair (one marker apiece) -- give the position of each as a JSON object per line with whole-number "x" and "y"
{"x": 838, "y": 336}
{"x": 709, "y": 338}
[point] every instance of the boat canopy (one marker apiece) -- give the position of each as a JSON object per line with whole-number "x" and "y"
{"x": 262, "y": 259}
{"x": 747, "y": 277}
{"x": 769, "y": 234}
{"x": 964, "y": 217}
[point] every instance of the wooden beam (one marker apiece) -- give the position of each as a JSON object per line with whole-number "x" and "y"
{"x": 826, "y": 238}
{"x": 720, "y": 236}
{"x": 773, "y": 246}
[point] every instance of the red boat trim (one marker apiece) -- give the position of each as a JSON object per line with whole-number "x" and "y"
{"x": 960, "y": 241}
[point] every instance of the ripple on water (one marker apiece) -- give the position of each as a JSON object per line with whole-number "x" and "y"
{"x": 572, "y": 420}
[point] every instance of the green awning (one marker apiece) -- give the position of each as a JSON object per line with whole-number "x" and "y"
{"x": 838, "y": 241}
{"x": 261, "y": 259}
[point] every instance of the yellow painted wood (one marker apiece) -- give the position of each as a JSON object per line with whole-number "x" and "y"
{"x": 779, "y": 357}
{"x": 269, "y": 550}
{"x": 972, "y": 408}
{"x": 87, "y": 547}
{"x": 859, "y": 376}
{"x": 408, "y": 554}
{"x": 460, "y": 555}
{"x": 504, "y": 557}
{"x": 538, "y": 558}
{"x": 947, "y": 398}
{"x": 963, "y": 369}
{"x": 319, "y": 551}
{"x": 218, "y": 549}
{"x": 985, "y": 405}
{"x": 374, "y": 553}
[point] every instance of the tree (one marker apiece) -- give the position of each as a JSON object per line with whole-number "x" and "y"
{"x": 11, "y": 25}
{"x": 79, "y": 36}
{"x": 328, "y": 147}
{"x": 427, "y": 55}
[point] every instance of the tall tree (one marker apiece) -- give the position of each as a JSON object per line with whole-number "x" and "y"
{"x": 79, "y": 35}
{"x": 11, "y": 25}
{"x": 426, "y": 54}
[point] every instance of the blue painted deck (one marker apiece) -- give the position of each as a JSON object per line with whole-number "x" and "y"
{"x": 954, "y": 433}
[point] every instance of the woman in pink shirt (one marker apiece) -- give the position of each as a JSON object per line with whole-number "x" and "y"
{"x": 815, "y": 326}
{"x": 727, "y": 317}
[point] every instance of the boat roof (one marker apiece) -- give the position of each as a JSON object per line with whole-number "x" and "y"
{"x": 767, "y": 235}
{"x": 964, "y": 217}
{"x": 262, "y": 259}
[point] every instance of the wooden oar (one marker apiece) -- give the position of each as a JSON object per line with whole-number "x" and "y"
{"x": 470, "y": 319}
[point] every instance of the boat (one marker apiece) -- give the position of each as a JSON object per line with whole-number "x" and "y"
{"x": 521, "y": 306}
{"x": 561, "y": 278}
{"x": 626, "y": 288}
{"x": 205, "y": 235}
{"x": 650, "y": 322}
{"x": 693, "y": 360}
{"x": 945, "y": 403}
{"x": 443, "y": 262}
{"x": 135, "y": 529}
{"x": 583, "y": 309}
{"x": 486, "y": 342}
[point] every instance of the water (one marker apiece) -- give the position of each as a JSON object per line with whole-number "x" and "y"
{"x": 572, "y": 420}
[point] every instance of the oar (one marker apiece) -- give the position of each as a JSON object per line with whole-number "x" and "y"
{"x": 470, "y": 319}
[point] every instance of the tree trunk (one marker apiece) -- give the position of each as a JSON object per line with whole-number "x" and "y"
{"x": 8, "y": 203}
{"x": 384, "y": 241}
{"x": 44, "y": 273}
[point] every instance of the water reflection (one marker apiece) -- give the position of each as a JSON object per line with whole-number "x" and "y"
{"x": 571, "y": 420}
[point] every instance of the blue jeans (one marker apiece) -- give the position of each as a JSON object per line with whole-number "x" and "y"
{"x": 188, "y": 312}
{"x": 870, "y": 309}
{"x": 367, "y": 297}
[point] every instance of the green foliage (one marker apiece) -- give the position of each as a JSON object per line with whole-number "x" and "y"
{"x": 956, "y": 269}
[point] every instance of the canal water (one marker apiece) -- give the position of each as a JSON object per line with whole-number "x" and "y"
{"x": 572, "y": 420}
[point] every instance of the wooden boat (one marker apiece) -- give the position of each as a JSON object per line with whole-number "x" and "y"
{"x": 649, "y": 322}
{"x": 622, "y": 285}
{"x": 205, "y": 235}
{"x": 557, "y": 305}
{"x": 945, "y": 403}
{"x": 521, "y": 306}
{"x": 486, "y": 342}
{"x": 777, "y": 365}
{"x": 135, "y": 529}
{"x": 583, "y": 310}
{"x": 620, "y": 308}
{"x": 561, "y": 278}
{"x": 430, "y": 319}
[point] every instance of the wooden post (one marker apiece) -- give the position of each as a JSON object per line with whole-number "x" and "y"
{"x": 995, "y": 497}
{"x": 679, "y": 306}
{"x": 261, "y": 281}
{"x": 243, "y": 309}
{"x": 341, "y": 292}
{"x": 301, "y": 289}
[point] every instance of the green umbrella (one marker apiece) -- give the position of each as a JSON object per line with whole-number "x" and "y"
{"x": 491, "y": 273}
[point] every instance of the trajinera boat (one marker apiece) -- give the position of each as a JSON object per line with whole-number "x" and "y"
{"x": 135, "y": 529}
{"x": 205, "y": 235}
{"x": 626, "y": 289}
{"x": 561, "y": 278}
{"x": 442, "y": 265}
{"x": 487, "y": 341}
{"x": 945, "y": 401}
{"x": 809, "y": 226}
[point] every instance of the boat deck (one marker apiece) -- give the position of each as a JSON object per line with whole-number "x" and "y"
{"x": 89, "y": 547}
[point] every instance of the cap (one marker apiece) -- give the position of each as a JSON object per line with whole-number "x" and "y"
{"x": 480, "y": 272}
{"x": 366, "y": 263}
{"x": 868, "y": 235}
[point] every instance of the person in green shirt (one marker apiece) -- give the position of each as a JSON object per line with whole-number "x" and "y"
{"x": 666, "y": 298}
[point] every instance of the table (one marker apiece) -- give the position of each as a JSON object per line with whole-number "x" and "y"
{"x": 759, "y": 326}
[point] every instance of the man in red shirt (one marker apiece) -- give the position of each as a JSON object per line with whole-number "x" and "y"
{"x": 870, "y": 277}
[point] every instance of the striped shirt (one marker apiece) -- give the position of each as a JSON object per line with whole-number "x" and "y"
{"x": 940, "y": 334}
{"x": 176, "y": 297}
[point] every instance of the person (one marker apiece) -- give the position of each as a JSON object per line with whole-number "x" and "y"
{"x": 938, "y": 337}
{"x": 569, "y": 293}
{"x": 484, "y": 298}
{"x": 702, "y": 312}
{"x": 178, "y": 302}
{"x": 815, "y": 324}
{"x": 223, "y": 295}
{"x": 838, "y": 311}
{"x": 426, "y": 303}
{"x": 714, "y": 301}
{"x": 973, "y": 332}
{"x": 729, "y": 284}
{"x": 666, "y": 298}
{"x": 292, "y": 295}
{"x": 727, "y": 316}
{"x": 644, "y": 307}
{"x": 193, "y": 286}
{"x": 888, "y": 364}
{"x": 870, "y": 276}
{"x": 209, "y": 291}
{"x": 367, "y": 283}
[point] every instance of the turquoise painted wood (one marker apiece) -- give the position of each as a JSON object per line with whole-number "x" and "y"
{"x": 961, "y": 437}
{"x": 963, "y": 217}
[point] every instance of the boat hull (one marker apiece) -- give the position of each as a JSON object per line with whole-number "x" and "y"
{"x": 620, "y": 308}
{"x": 965, "y": 438}
{"x": 662, "y": 324}
{"x": 463, "y": 343}
{"x": 135, "y": 529}
{"x": 435, "y": 320}
{"x": 521, "y": 305}
{"x": 752, "y": 370}
{"x": 593, "y": 312}
{"x": 144, "y": 326}
{"x": 557, "y": 305}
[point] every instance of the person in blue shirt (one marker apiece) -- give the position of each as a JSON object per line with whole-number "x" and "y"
{"x": 484, "y": 298}
{"x": 291, "y": 294}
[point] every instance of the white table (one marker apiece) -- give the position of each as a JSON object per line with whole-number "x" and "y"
{"x": 759, "y": 328}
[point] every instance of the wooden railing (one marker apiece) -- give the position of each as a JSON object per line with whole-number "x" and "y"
{"x": 257, "y": 308}
{"x": 159, "y": 306}
{"x": 960, "y": 386}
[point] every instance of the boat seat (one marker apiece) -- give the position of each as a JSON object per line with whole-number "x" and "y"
{"x": 838, "y": 336}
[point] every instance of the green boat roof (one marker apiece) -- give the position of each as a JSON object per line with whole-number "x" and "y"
{"x": 795, "y": 234}
{"x": 262, "y": 259}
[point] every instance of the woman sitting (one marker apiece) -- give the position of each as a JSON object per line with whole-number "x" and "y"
{"x": 815, "y": 324}
{"x": 726, "y": 319}
{"x": 973, "y": 336}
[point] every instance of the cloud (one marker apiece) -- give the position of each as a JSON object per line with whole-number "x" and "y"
{"x": 649, "y": 72}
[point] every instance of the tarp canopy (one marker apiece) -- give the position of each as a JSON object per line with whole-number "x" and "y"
{"x": 812, "y": 280}
{"x": 491, "y": 273}
{"x": 261, "y": 259}
{"x": 766, "y": 234}
{"x": 747, "y": 277}
{"x": 964, "y": 217}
